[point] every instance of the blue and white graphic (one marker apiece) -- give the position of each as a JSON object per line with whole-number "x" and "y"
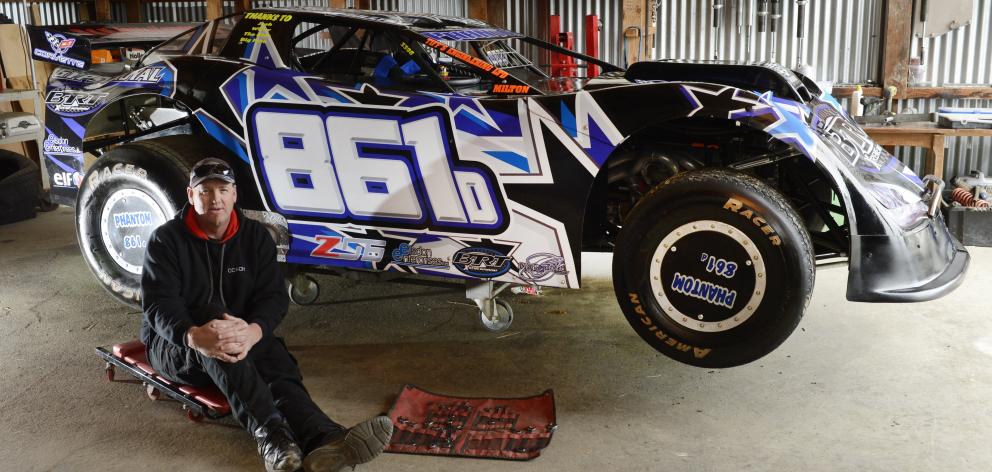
{"x": 481, "y": 262}
{"x": 349, "y": 164}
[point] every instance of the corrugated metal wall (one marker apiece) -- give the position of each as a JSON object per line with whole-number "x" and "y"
{"x": 52, "y": 13}
{"x": 961, "y": 57}
{"x": 440, "y": 7}
{"x": 841, "y": 36}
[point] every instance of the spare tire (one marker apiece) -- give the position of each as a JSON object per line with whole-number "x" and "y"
{"x": 19, "y": 178}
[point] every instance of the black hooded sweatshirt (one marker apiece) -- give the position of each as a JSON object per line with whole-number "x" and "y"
{"x": 185, "y": 271}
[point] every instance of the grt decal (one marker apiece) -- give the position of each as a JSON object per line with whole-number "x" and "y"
{"x": 697, "y": 352}
{"x": 708, "y": 292}
{"x": 389, "y": 169}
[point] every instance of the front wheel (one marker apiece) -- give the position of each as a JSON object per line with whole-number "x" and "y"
{"x": 128, "y": 193}
{"x": 713, "y": 268}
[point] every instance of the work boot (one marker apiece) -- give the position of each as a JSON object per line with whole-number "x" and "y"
{"x": 362, "y": 443}
{"x": 277, "y": 447}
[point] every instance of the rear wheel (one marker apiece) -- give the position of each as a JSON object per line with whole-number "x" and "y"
{"x": 713, "y": 268}
{"x": 124, "y": 196}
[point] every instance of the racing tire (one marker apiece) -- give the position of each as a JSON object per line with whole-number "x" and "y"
{"x": 713, "y": 268}
{"x": 124, "y": 196}
{"x": 19, "y": 185}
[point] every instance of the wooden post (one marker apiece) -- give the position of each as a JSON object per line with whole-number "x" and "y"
{"x": 897, "y": 34}
{"x": 635, "y": 16}
{"x": 490, "y": 11}
{"x": 103, "y": 10}
{"x": 134, "y": 13}
{"x": 337, "y": 3}
{"x": 215, "y": 9}
{"x": 363, "y": 4}
{"x": 35, "y": 14}
{"x": 241, "y": 6}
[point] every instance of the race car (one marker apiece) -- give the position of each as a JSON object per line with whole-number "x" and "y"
{"x": 383, "y": 145}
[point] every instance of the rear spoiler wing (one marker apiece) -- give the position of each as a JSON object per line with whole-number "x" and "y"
{"x": 73, "y": 45}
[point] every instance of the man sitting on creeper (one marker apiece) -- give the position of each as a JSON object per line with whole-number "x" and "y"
{"x": 212, "y": 295}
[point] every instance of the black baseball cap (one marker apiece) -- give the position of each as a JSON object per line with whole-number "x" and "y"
{"x": 210, "y": 168}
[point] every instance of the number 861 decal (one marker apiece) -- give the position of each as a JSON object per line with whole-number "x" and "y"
{"x": 371, "y": 166}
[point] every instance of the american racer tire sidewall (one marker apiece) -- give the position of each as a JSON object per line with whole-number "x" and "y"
{"x": 125, "y": 183}
{"x": 753, "y": 213}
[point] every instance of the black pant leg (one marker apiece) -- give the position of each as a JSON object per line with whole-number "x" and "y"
{"x": 245, "y": 390}
{"x": 280, "y": 370}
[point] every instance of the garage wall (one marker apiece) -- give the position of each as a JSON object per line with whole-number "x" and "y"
{"x": 961, "y": 57}
{"x": 52, "y": 13}
{"x": 841, "y": 36}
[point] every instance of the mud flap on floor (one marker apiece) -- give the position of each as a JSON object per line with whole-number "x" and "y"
{"x": 493, "y": 428}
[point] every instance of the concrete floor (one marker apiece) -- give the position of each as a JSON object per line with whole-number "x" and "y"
{"x": 857, "y": 387}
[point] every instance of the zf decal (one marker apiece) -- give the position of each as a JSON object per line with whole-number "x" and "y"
{"x": 349, "y": 249}
{"x": 738, "y": 207}
{"x": 697, "y": 352}
{"x": 542, "y": 266}
{"x": 397, "y": 170}
{"x": 413, "y": 256}
{"x": 73, "y": 101}
{"x": 481, "y": 262}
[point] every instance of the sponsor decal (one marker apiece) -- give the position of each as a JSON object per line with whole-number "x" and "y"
{"x": 736, "y": 206}
{"x": 268, "y": 16}
{"x": 74, "y": 101}
{"x": 78, "y": 76}
{"x": 349, "y": 249}
{"x": 511, "y": 89}
{"x": 67, "y": 179}
{"x": 697, "y": 352}
{"x": 56, "y": 145}
{"x": 59, "y": 44}
{"x": 466, "y": 58}
{"x": 481, "y": 262}
{"x": 145, "y": 75}
{"x": 542, "y": 266}
{"x": 708, "y": 292}
{"x": 719, "y": 267}
{"x": 413, "y": 256}
{"x": 133, "y": 219}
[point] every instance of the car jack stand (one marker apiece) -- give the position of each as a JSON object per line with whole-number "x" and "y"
{"x": 496, "y": 314}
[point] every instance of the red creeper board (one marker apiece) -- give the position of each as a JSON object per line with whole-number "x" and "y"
{"x": 491, "y": 428}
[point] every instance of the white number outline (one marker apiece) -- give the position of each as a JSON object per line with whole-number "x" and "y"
{"x": 428, "y": 220}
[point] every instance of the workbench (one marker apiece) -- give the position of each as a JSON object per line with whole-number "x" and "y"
{"x": 925, "y": 135}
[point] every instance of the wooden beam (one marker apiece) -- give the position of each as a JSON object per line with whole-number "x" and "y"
{"x": 846, "y": 91}
{"x": 337, "y": 3}
{"x": 103, "y": 10}
{"x": 363, "y": 4}
{"x": 897, "y": 31}
{"x": 134, "y": 11}
{"x": 490, "y": 11}
{"x": 634, "y": 24}
{"x": 242, "y": 5}
{"x": 215, "y": 9}
{"x": 984, "y": 93}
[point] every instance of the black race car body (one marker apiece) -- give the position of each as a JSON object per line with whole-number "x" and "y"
{"x": 428, "y": 145}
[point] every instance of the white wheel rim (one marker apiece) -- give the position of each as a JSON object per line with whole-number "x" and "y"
{"x": 106, "y": 224}
{"x": 670, "y": 243}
